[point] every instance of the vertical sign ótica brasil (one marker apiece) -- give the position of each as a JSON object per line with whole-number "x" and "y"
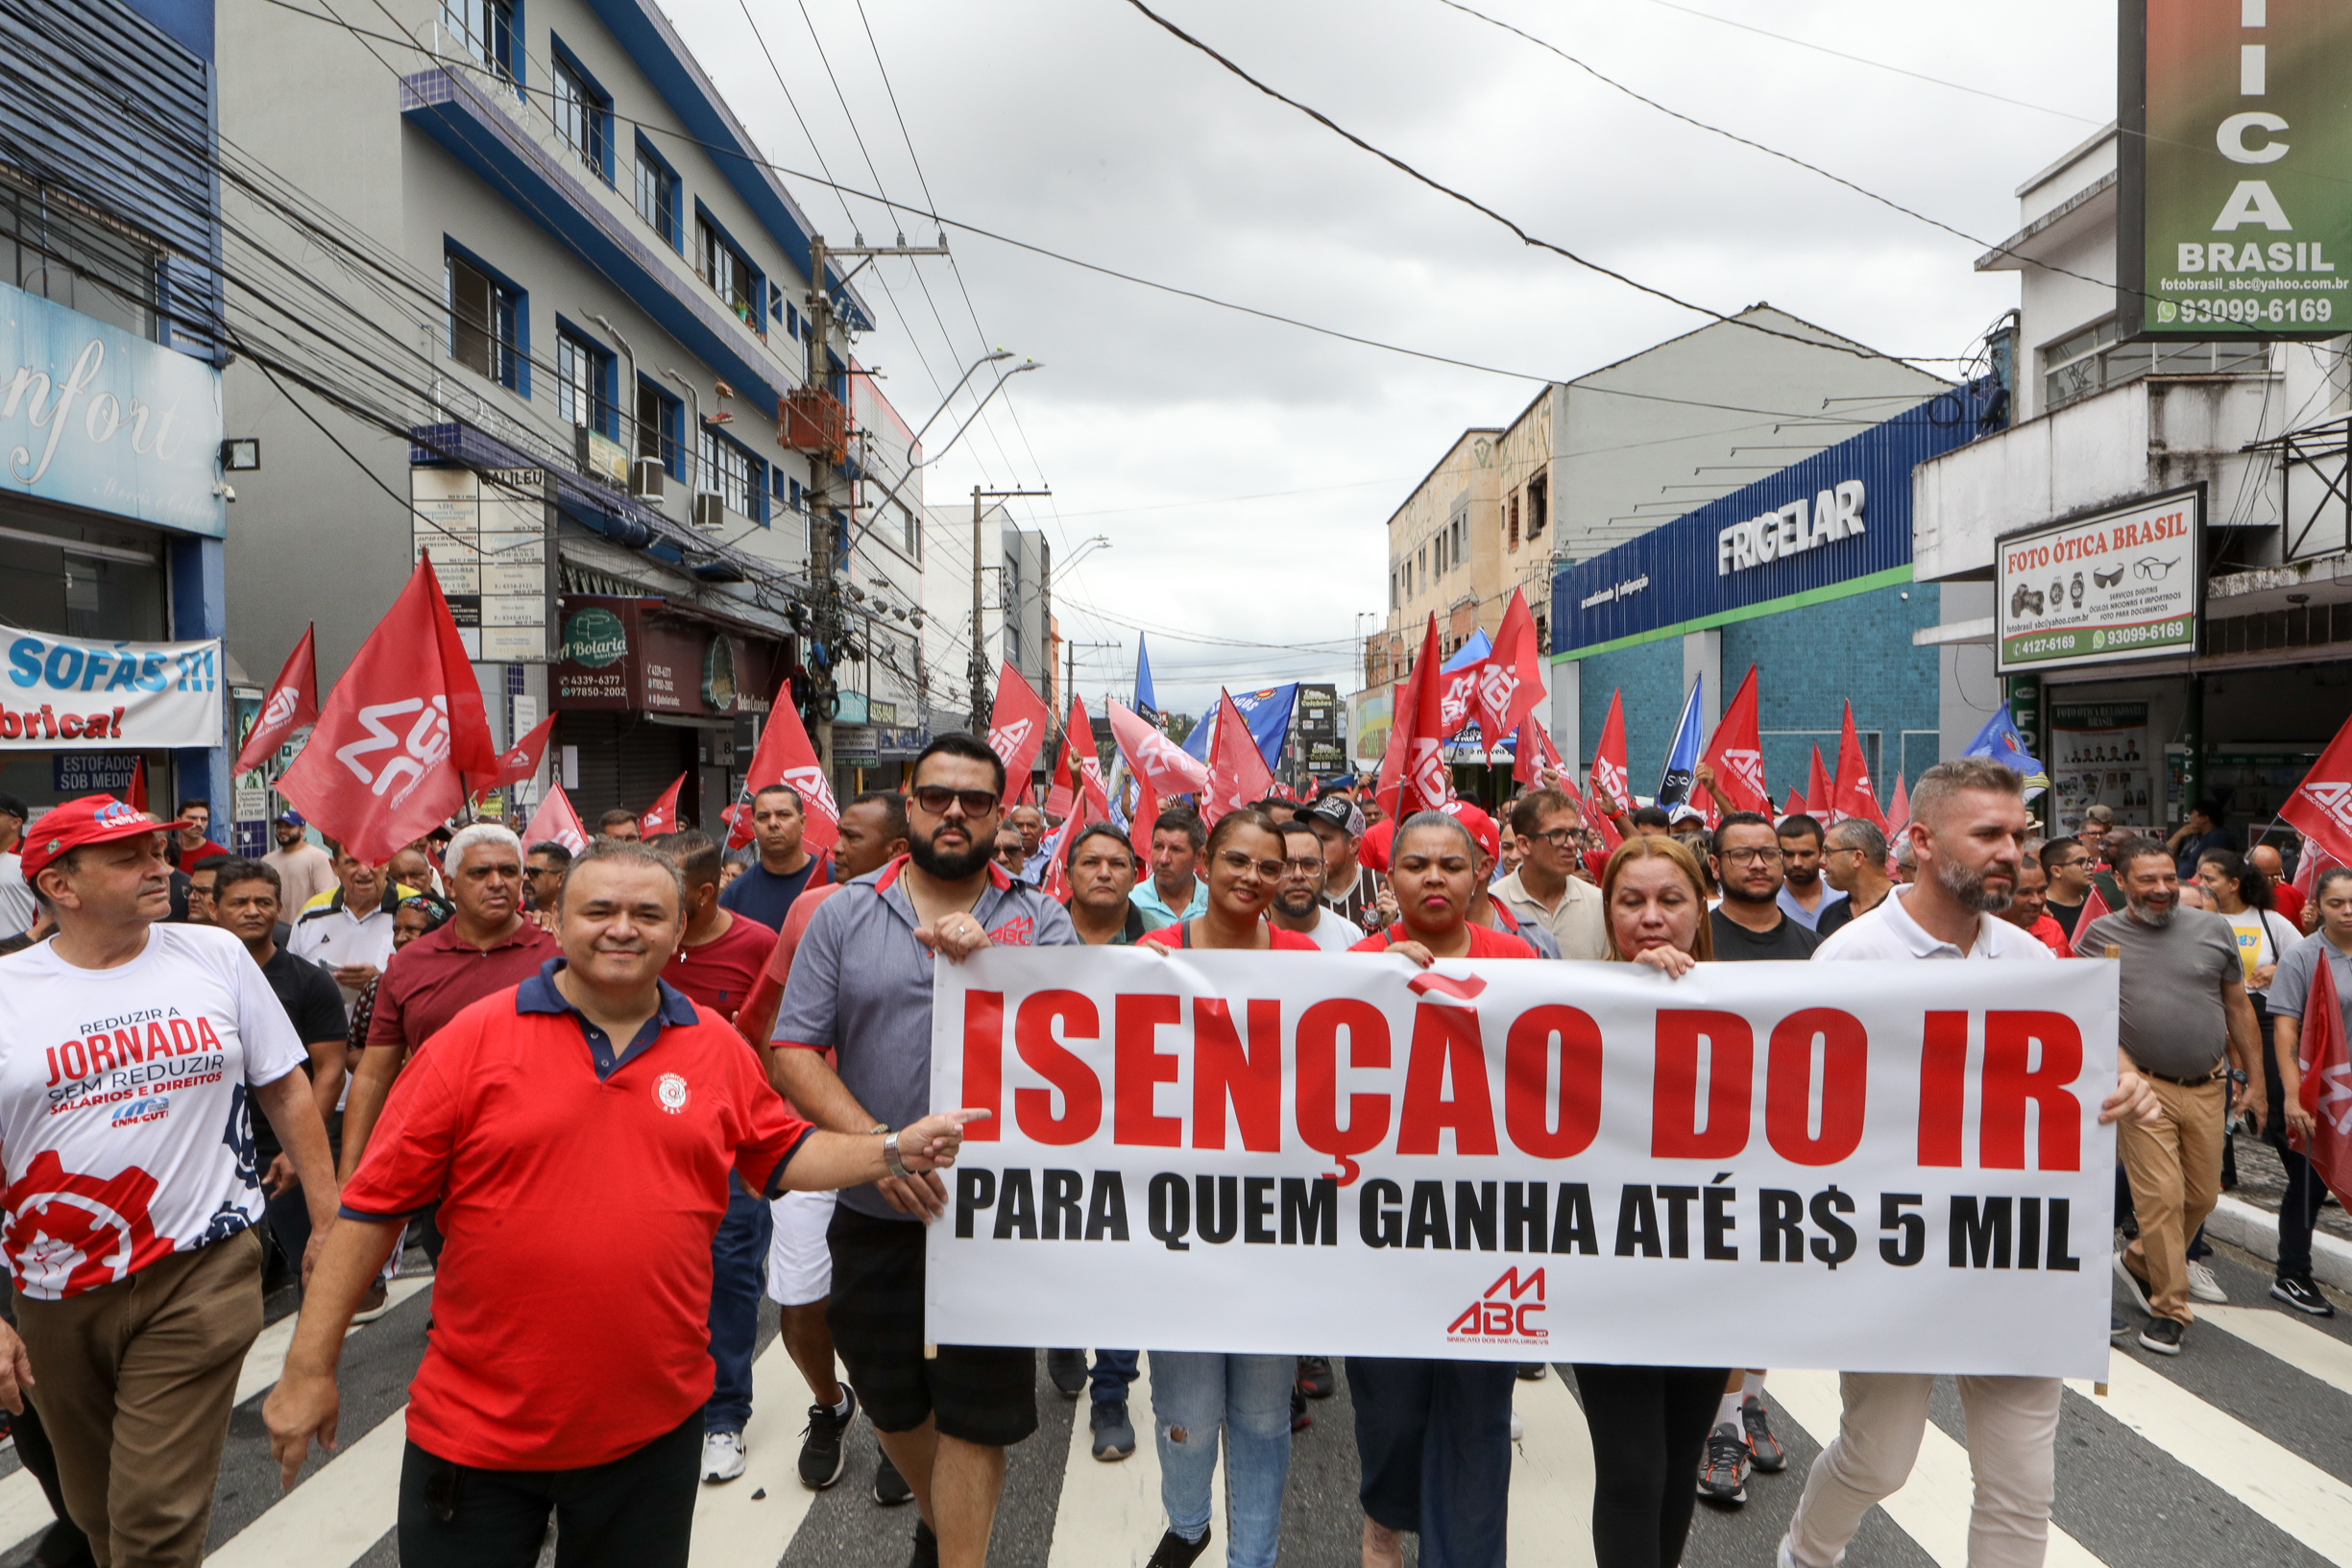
{"x": 2115, "y": 585}
{"x": 2234, "y": 123}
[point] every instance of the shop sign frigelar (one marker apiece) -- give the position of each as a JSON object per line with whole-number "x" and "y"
{"x": 63, "y": 694}
{"x": 2115, "y": 586}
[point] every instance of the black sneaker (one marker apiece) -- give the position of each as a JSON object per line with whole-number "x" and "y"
{"x": 2163, "y": 1335}
{"x": 1722, "y": 1478}
{"x": 1300, "y": 1420}
{"x": 1068, "y": 1370}
{"x": 891, "y": 1489}
{"x": 1114, "y": 1433}
{"x": 2116, "y": 1328}
{"x": 2302, "y": 1292}
{"x": 1176, "y": 1551}
{"x": 2133, "y": 1283}
{"x": 1763, "y": 1448}
{"x": 822, "y": 1452}
{"x": 1531, "y": 1371}
{"x": 1315, "y": 1377}
{"x": 926, "y": 1547}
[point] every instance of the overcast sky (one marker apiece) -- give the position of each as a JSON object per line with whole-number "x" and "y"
{"x": 1079, "y": 126}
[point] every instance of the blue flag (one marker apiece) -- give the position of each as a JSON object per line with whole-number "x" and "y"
{"x": 1147, "y": 700}
{"x": 1683, "y": 756}
{"x": 1266, "y": 713}
{"x": 2001, "y": 741}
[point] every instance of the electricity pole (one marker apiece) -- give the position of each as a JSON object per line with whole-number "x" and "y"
{"x": 979, "y": 655}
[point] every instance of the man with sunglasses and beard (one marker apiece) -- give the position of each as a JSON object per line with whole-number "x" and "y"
{"x": 862, "y": 987}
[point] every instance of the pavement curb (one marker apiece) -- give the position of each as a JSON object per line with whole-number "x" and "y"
{"x": 2255, "y": 1230}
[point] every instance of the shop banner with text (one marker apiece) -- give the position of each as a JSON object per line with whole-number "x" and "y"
{"x": 1890, "y": 1167}
{"x": 66, "y": 693}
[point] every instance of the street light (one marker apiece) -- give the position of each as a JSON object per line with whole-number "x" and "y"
{"x": 912, "y": 469}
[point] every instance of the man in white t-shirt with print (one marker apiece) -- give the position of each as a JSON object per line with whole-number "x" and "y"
{"x": 1297, "y": 902}
{"x": 1967, "y": 832}
{"x": 131, "y": 1053}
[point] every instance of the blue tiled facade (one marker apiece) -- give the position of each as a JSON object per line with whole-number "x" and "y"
{"x": 1650, "y": 674}
{"x": 1811, "y": 661}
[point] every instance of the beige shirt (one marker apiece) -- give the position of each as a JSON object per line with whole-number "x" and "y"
{"x": 1576, "y": 925}
{"x": 304, "y": 872}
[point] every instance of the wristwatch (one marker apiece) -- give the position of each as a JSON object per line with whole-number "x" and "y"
{"x": 890, "y": 1158}
{"x": 2237, "y": 1074}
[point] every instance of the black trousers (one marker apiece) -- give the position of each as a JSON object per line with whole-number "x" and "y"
{"x": 637, "y": 1511}
{"x": 1649, "y": 1428}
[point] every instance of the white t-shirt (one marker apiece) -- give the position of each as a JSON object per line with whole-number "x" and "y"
{"x": 1334, "y": 932}
{"x": 1888, "y": 931}
{"x": 16, "y": 907}
{"x": 331, "y": 935}
{"x": 126, "y": 1122}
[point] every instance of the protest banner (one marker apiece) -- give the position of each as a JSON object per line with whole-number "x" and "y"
{"x": 1891, "y": 1167}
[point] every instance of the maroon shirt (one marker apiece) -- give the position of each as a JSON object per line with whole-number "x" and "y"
{"x": 719, "y": 973}
{"x": 440, "y": 974}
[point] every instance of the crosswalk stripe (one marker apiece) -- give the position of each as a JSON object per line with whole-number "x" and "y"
{"x": 1551, "y": 1478}
{"x": 1110, "y": 1515}
{"x": 24, "y": 1508}
{"x": 2276, "y": 1483}
{"x": 2296, "y": 1343}
{"x": 732, "y": 1527}
{"x": 1932, "y": 1506}
{"x": 331, "y": 1520}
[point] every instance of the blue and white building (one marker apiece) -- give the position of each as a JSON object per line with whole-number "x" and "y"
{"x": 112, "y": 500}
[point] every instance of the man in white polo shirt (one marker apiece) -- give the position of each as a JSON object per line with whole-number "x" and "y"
{"x": 1967, "y": 831}
{"x": 349, "y": 932}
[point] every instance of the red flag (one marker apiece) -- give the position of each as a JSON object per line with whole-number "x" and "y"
{"x": 2326, "y": 1064}
{"x": 292, "y": 702}
{"x": 2306, "y": 869}
{"x": 1413, "y": 774}
{"x": 1139, "y": 826}
{"x": 1237, "y": 773}
{"x": 1511, "y": 680}
{"x": 1899, "y": 814}
{"x": 1534, "y": 753}
{"x": 387, "y": 759}
{"x": 1796, "y": 807}
{"x": 1818, "y": 793}
{"x": 1735, "y": 751}
{"x": 1017, "y": 726}
{"x": 1852, "y": 795}
{"x": 1092, "y": 802}
{"x": 662, "y": 816}
{"x": 1607, "y": 776}
{"x": 785, "y": 757}
{"x": 2093, "y": 907}
{"x": 557, "y": 822}
{"x": 1053, "y": 874}
{"x": 1059, "y": 800}
{"x": 2320, "y": 809}
{"x": 135, "y": 796}
{"x": 1458, "y": 698}
{"x": 518, "y": 762}
{"x": 1157, "y": 762}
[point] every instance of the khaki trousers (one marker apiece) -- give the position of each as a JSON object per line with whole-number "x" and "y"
{"x": 2175, "y": 1172}
{"x": 134, "y": 1382}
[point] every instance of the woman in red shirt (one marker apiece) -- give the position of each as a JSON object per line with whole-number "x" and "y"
{"x": 1193, "y": 1394}
{"x": 1649, "y": 1423}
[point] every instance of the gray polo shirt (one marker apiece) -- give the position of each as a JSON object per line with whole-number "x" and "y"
{"x": 2290, "y": 993}
{"x": 862, "y": 987}
{"x": 2171, "y": 1018}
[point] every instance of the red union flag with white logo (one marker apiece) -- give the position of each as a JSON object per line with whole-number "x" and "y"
{"x": 1735, "y": 751}
{"x": 1162, "y": 765}
{"x": 1246, "y": 1152}
{"x": 786, "y": 758}
{"x": 1017, "y": 726}
{"x": 291, "y": 702}
{"x": 2320, "y": 809}
{"x": 555, "y": 822}
{"x": 1413, "y": 776}
{"x": 386, "y": 762}
{"x": 1511, "y": 680}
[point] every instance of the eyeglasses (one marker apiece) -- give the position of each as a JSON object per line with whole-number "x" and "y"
{"x": 934, "y": 799}
{"x": 1753, "y": 856}
{"x": 1239, "y": 864}
{"x": 1304, "y": 868}
{"x": 1560, "y": 838}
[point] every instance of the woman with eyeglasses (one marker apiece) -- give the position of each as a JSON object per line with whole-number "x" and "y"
{"x": 1649, "y": 1423}
{"x": 1196, "y": 1393}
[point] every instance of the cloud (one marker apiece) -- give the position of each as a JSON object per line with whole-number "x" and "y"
{"x": 1084, "y": 128}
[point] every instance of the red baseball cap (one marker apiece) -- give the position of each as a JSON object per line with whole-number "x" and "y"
{"x": 93, "y": 819}
{"x": 1480, "y": 825}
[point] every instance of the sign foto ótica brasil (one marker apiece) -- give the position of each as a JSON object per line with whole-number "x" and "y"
{"x": 1247, "y": 1152}
{"x": 2117, "y": 585}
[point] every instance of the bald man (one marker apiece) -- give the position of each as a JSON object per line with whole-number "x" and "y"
{"x": 2285, "y": 897}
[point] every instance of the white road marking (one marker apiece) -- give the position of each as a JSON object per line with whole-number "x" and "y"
{"x": 1551, "y": 1477}
{"x": 1110, "y": 1515}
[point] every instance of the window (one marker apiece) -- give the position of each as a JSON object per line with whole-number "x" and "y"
{"x": 796, "y": 492}
{"x": 61, "y": 250}
{"x": 1511, "y": 519}
{"x": 484, "y": 28}
{"x": 723, "y": 266}
{"x": 583, "y": 117}
{"x": 1539, "y": 503}
{"x": 583, "y": 384}
{"x": 661, "y": 425}
{"x": 483, "y": 322}
{"x": 914, "y": 535}
{"x": 2091, "y": 361}
{"x": 656, "y": 195}
{"x": 1544, "y": 634}
{"x": 791, "y": 319}
{"x": 739, "y": 478}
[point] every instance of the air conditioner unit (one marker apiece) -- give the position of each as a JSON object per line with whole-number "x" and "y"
{"x": 709, "y": 512}
{"x": 647, "y": 477}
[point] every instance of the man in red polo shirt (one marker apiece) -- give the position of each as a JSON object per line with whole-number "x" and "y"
{"x": 486, "y": 946}
{"x": 591, "y": 1101}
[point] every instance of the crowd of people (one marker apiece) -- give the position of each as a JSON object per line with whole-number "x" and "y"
{"x": 507, "y": 1053}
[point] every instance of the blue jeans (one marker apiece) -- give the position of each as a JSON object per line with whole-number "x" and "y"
{"x": 1434, "y": 1437}
{"x": 1113, "y": 1371}
{"x": 738, "y": 1269}
{"x": 1192, "y": 1394}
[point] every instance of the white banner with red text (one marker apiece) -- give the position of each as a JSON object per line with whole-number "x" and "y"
{"x": 1869, "y": 1167}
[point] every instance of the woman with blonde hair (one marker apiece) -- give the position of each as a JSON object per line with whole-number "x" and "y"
{"x": 1649, "y": 1423}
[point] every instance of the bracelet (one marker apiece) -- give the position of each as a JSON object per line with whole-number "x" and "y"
{"x": 891, "y": 1159}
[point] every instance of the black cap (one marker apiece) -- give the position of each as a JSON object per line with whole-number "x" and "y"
{"x": 1341, "y": 811}
{"x": 11, "y": 806}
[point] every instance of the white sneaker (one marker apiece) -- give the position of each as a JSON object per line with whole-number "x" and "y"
{"x": 2203, "y": 1287}
{"x": 1518, "y": 1427}
{"x": 722, "y": 1456}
